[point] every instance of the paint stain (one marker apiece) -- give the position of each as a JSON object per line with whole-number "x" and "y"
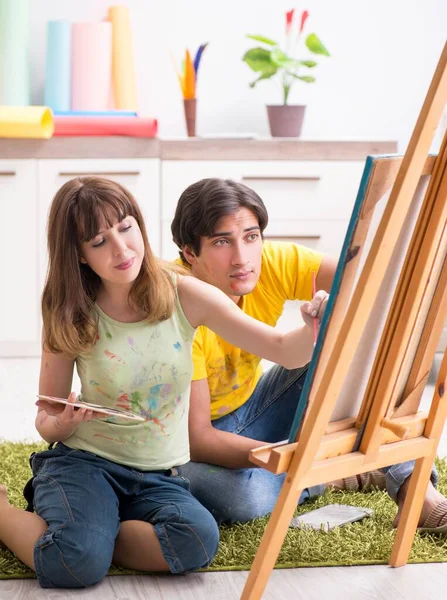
{"x": 123, "y": 402}
{"x": 177, "y": 346}
{"x": 108, "y": 335}
{"x": 113, "y": 356}
{"x": 136, "y": 399}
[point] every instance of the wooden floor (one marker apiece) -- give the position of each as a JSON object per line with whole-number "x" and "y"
{"x": 413, "y": 582}
{"x": 18, "y": 380}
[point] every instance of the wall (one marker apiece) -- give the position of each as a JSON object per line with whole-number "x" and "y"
{"x": 383, "y": 56}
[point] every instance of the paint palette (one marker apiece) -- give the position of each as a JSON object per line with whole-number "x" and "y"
{"x": 115, "y": 412}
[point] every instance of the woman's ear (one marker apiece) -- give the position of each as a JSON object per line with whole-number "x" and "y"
{"x": 82, "y": 260}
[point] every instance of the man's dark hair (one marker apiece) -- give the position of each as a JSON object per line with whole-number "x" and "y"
{"x": 203, "y": 203}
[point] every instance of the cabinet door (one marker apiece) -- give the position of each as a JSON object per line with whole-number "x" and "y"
{"x": 140, "y": 176}
{"x": 302, "y": 197}
{"x": 289, "y": 189}
{"x": 19, "y": 300}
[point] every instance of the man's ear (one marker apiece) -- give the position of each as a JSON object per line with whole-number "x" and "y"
{"x": 189, "y": 255}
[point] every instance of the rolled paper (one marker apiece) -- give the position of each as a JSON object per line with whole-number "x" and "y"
{"x": 123, "y": 67}
{"x": 14, "y": 55}
{"x": 91, "y": 62}
{"x": 190, "y": 106}
{"x": 132, "y": 126}
{"x": 58, "y": 65}
{"x": 26, "y": 122}
{"x": 95, "y": 113}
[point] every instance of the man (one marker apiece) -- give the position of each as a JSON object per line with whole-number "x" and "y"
{"x": 218, "y": 227}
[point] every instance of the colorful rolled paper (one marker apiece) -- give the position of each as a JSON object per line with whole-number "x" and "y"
{"x": 123, "y": 67}
{"x": 14, "y": 55}
{"x": 58, "y": 65}
{"x": 91, "y": 66}
{"x": 132, "y": 126}
{"x": 26, "y": 122}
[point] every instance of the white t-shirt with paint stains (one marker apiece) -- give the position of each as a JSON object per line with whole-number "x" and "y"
{"x": 147, "y": 369}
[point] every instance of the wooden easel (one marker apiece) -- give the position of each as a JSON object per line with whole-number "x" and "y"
{"x": 388, "y": 428}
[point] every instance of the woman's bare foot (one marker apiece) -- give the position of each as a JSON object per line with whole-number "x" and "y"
{"x": 432, "y": 499}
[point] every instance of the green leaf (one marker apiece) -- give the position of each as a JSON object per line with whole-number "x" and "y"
{"x": 261, "y": 38}
{"x": 314, "y": 44}
{"x": 283, "y": 61}
{"x": 308, "y": 63}
{"x": 259, "y": 59}
{"x": 265, "y": 75}
{"x": 306, "y": 78}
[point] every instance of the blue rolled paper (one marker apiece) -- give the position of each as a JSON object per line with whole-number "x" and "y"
{"x": 94, "y": 113}
{"x": 58, "y": 65}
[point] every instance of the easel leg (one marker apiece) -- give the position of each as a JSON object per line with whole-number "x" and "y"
{"x": 417, "y": 488}
{"x": 411, "y": 511}
{"x": 271, "y": 543}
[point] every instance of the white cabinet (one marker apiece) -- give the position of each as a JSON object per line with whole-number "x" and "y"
{"x": 309, "y": 202}
{"x": 19, "y": 298}
{"x": 27, "y": 188}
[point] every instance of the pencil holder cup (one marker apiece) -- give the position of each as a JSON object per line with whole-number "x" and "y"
{"x": 190, "y": 107}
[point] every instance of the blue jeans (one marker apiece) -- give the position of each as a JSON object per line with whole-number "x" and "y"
{"x": 83, "y": 498}
{"x": 239, "y": 495}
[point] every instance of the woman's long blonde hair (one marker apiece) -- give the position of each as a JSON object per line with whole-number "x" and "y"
{"x": 78, "y": 210}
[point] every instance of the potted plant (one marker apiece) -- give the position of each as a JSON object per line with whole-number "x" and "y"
{"x": 270, "y": 60}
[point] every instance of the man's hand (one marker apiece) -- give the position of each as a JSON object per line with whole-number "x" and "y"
{"x": 315, "y": 308}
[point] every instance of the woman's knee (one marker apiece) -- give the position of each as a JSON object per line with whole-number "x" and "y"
{"x": 71, "y": 556}
{"x": 191, "y": 542}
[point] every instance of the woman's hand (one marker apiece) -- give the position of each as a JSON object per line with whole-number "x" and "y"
{"x": 315, "y": 308}
{"x": 68, "y": 417}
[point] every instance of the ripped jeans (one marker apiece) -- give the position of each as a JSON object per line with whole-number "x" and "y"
{"x": 83, "y": 498}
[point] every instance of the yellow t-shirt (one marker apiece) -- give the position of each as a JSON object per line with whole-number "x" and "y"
{"x": 232, "y": 373}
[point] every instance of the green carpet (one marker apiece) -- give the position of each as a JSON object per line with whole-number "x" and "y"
{"x": 366, "y": 542}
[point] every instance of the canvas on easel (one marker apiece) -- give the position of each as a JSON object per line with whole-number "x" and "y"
{"x": 359, "y": 407}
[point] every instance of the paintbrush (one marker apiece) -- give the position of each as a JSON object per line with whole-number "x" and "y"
{"x": 314, "y": 291}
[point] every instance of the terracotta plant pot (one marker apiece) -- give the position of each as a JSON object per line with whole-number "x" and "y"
{"x": 285, "y": 120}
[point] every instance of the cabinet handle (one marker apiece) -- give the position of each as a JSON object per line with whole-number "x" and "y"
{"x": 7, "y": 173}
{"x": 281, "y": 177}
{"x": 86, "y": 173}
